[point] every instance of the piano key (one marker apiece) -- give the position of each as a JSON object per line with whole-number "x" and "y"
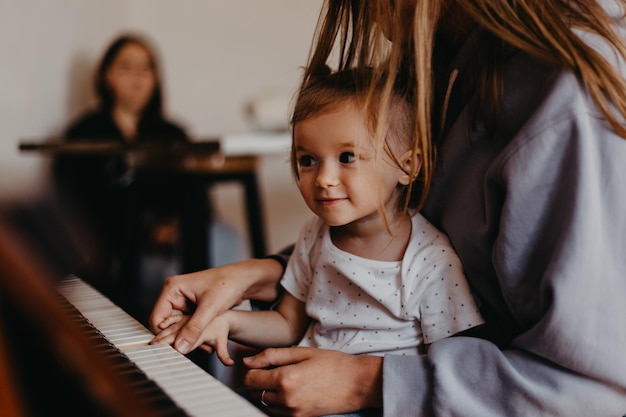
{"x": 162, "y": 373}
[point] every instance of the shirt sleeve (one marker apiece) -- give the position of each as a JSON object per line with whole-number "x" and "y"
{"x": 442, "y": 298}
{"x": 298, "y": 273}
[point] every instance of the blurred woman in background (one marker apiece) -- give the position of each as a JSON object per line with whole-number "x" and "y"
{"x": 129, "y": 91}
{"x": 121, "y": 207}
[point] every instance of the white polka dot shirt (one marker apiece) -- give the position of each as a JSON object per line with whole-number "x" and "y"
{"x": 361, "y": 305}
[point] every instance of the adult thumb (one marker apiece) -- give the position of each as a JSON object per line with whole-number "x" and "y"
{"x": 189, "y": 336}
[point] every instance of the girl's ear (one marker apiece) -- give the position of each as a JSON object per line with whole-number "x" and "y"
{"x": 405, "y": 164}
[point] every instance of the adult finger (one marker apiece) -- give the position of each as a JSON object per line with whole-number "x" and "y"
{"x": 166, "y": 337}
{"x": 189, "y": 336}
{"x": 270, "y": 402}
{"x": 271, "y": 357}
{"x": 170, "y": 300}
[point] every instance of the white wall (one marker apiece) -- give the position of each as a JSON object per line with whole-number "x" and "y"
{"x": 220, "y": 54}
{"x": 47, "y": 49}
{"x": 215, "y": 56}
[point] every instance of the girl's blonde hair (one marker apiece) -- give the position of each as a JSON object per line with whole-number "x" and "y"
{"x": 372, "y": 33}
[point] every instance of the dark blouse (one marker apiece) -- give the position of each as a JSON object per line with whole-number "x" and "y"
{"x": 118, "y": 205}
{"x": 99, "y": 125}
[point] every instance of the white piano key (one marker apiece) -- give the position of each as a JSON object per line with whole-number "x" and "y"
{"x": 185, "y": 383}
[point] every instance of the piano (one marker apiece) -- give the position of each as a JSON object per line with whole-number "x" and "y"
{"x": 65, "y": 349}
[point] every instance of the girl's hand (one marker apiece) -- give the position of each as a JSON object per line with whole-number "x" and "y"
{"x": 214, "y": 337}
{"x": 171, "y": 325}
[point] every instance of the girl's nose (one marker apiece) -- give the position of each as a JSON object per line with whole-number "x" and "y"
{"x": 327, "y": 176}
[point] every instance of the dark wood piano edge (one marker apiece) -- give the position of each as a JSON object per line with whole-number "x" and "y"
{"x": 26, "y": 282}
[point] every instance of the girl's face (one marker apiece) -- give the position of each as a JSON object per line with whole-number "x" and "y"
{"x": 340, "y": 180}
{"x": 131, "y": 77}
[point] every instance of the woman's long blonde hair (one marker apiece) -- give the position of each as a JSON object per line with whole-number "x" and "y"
{"x": 373, "y": 33}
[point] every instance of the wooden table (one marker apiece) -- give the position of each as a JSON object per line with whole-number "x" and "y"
{"x": 198, "y": 166}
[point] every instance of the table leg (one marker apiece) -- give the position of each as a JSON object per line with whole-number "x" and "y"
{"x": 195, "y": 225}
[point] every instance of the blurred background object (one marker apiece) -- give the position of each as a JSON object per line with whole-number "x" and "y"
{"x": 269, "y": 112}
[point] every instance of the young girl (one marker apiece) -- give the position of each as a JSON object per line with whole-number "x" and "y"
{"x": 368, "y": 274}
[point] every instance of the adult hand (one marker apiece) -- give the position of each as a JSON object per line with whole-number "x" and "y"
{"x": 212, "y": 291}
{"x": 304, "y": 382}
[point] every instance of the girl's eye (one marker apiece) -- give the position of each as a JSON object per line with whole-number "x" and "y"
{"x": 346, "y": 158}
{"x": 306, "y": 161}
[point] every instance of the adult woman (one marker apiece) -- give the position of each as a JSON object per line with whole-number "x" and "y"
{"x": 104, "y": 188}
{"x": 129, "y": 91}
{"x": 523, "y": 105}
